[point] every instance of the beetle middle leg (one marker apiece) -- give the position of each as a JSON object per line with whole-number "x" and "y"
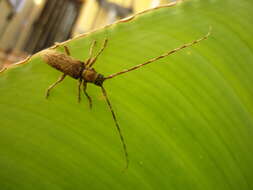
{"x": 79, "y": 90}
{"x": 54, "y": 84}
{"x": 87, "y": 95}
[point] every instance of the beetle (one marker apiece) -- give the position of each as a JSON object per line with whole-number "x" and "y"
{"x": 84, "y": 72}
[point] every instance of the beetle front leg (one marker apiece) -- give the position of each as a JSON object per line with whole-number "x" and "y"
{"x": 54, "y": 84}
{"x": 94, "y": 59}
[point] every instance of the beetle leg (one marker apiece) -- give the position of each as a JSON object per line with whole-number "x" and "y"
{"x": 79, "y": 90}
{"x": 86, "y": 94}
{"x": 54, "y": 84}
{"x": 87, "y": 62}
{"x": 66, "y": 49}
{"x": 92, "y": 47}
{"x": 94, "y": 59}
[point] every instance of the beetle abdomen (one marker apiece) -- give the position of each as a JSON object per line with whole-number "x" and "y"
{"x": 63, "y": 63}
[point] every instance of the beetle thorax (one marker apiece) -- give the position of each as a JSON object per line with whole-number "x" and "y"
{"x": 91, "y": 76}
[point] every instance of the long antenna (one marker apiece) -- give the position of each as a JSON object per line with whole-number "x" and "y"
{"x": 117, "y": 126}
{"x": 159, "y": 57}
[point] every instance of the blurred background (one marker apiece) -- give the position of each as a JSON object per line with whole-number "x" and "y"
{"x": 28, "y": 26}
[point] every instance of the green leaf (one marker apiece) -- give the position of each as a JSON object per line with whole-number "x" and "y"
{"x": 187, "y": 118}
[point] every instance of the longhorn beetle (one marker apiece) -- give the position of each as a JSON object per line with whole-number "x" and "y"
{"x": 84, "y": 72}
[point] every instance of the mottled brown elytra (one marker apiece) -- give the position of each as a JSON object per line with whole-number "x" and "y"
{"x": 85, "y": 73}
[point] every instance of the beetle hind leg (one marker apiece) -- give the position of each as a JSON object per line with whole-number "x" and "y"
{"x": 60, "y": 79}
{"x": 66, "y": 49}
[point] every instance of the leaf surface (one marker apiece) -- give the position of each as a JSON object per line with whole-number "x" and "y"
{"x": 187, "y": 119}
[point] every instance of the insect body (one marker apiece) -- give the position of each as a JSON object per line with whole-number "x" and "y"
{"x": 85, "y": 73}
{"x": 64, "y": 63}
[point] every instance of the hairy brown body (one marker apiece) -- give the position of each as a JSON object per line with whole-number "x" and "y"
{"x": 64, "y": 63}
